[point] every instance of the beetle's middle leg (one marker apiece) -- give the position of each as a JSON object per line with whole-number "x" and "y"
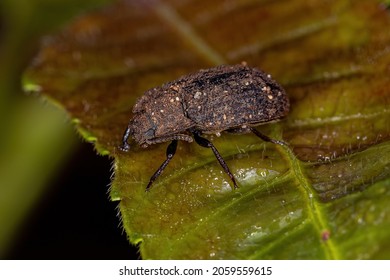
{"x": 207, "y": 144}
{"x": 171, "y": 150}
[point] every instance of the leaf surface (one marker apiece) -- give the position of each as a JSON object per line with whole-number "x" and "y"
{"x": 323, "y": 197}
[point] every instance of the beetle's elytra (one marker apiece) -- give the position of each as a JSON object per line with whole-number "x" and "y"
{"x": 225, "y": 98}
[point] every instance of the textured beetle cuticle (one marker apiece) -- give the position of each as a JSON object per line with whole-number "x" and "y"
{"x": 197, "y": 95}
{"x": 225, "y": 98}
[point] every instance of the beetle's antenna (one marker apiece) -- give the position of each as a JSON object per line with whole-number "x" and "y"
{"x": 125, "y": 146}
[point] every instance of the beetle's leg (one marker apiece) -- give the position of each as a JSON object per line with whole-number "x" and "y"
{"x": 266, "y": 138}
{"x": 207, "y": 144}
{"x": 125, "y": 146}
{"x": 171, "y": 150}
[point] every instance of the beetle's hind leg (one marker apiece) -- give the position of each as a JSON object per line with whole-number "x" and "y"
{"x": 247, "y": 129}
{"x": 171, "y": 150}
{"x": 266, "y": 138}
{"x": 207, "y": 144}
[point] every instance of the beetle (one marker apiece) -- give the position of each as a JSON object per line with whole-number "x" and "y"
{"x": 226, "y": 98}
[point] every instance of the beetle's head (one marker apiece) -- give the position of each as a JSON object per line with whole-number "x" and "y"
{"x": 143, "y": 129}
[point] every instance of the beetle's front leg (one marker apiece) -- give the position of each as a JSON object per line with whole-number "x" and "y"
{"x": 171, "y": 150}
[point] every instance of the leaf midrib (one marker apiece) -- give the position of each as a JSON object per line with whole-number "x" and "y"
{"x": 316, "y": 213}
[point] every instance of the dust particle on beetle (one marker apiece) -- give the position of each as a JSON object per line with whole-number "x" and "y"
{"x": 231, "y": 99}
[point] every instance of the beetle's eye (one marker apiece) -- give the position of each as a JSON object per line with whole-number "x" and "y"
{"x": 149, "y": 133}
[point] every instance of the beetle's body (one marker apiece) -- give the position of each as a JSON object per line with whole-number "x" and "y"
{"x": 224, "y": 98}
{"x": 209, "y": 101}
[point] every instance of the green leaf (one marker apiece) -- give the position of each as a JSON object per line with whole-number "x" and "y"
{"x": 323, "y": 197}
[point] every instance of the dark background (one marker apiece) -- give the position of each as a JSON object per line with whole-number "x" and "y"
{"x": 75, "y": 219}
